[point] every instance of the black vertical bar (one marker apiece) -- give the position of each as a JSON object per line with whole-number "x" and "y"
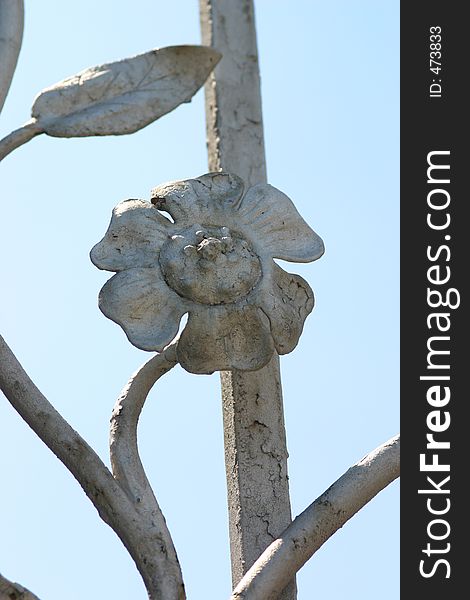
{"x": 435, "y": 250}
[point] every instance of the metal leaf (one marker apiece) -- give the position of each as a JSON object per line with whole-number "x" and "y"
{"x": 124, "y": 96}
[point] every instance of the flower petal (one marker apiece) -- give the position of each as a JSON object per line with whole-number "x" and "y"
{"x": 277, "y": 225}
{"x": 140, "y": 302}
{"x": 287, "y": 302}
{"x": 134, "y": 237}
{"x": 220, "y": 338}
{"x": 206, "y": 199}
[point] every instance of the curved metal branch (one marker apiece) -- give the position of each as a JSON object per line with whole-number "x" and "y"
{"x": 69, "y": 447}
{"x": 151, "y": 550}
{"x": 125, "y": 460}
{"x": 309, "y": 531}
{"x": 11, "y": 36}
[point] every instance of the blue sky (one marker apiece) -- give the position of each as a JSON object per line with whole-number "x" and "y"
{"x": 330, "y": 87}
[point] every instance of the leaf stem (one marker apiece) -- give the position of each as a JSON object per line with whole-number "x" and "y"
{"x": 19, "y": 137}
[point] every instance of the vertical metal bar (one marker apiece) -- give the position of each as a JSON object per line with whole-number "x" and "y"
{"x": 255, "y": 440}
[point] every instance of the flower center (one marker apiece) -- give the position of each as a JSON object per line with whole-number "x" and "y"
{"x": 210, "y": 265}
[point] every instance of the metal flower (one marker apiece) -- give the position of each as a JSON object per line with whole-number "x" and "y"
{"x": 213, "y": 260}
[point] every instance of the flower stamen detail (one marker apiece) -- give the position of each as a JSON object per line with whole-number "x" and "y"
{"x": 210, "y": 265}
